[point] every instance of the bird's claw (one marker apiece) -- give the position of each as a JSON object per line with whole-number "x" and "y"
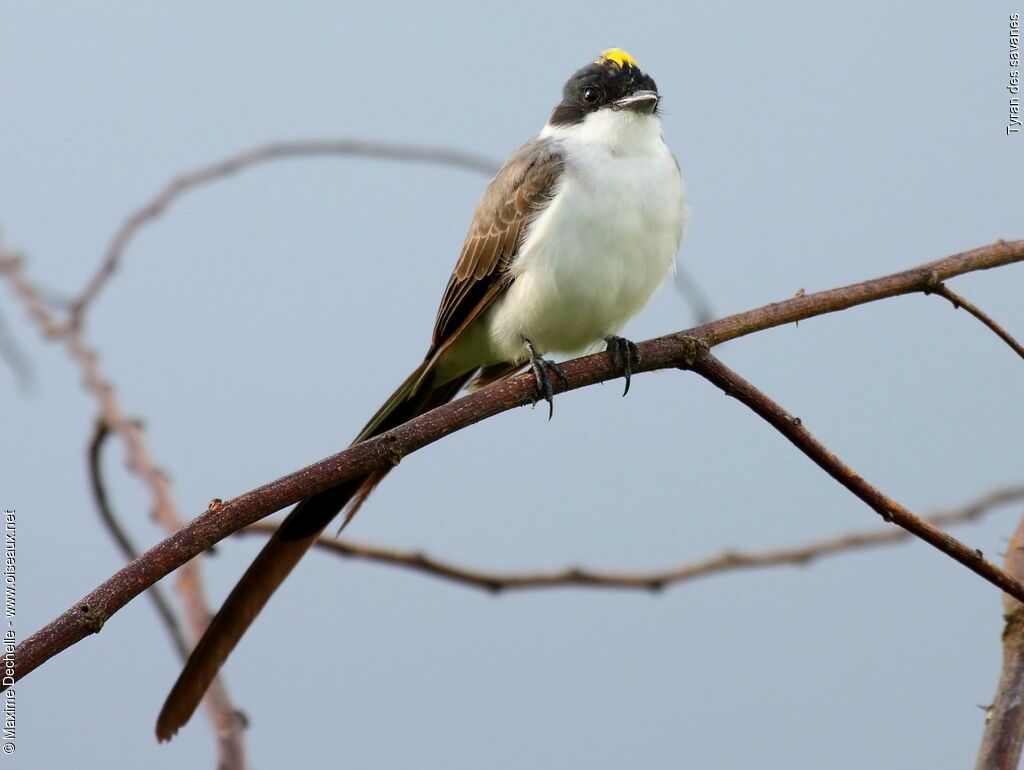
{"x": 624, "y": 353}
{"x": 542, "y": 370}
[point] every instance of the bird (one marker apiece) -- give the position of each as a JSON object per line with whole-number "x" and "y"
{"x": 570, "y": 240}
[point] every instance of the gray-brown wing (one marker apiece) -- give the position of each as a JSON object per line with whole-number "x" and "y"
{"x": 519, "y": 190}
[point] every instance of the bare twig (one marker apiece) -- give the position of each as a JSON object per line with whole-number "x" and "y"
{"x": 252, "y": 157}
{"x": 680, "y": 350}
{"x": 496, "y": 582}
{"x": 1004, "y": 730}
{"x": 124, "y": 542}
{"x": 226, "y": 723}
{"x": 959, "y": 302}
{"x": 713, "y": 370}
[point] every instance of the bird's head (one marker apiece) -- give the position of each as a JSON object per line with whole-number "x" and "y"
{"x": 613, "y": 83}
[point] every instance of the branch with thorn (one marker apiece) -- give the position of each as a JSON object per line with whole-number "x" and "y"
{"x": 689, "y": 349}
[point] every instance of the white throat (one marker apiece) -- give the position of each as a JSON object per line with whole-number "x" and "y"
{"x": 619, "y": 132}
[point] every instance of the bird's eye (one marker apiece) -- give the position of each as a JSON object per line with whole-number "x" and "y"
{"x": 591, "y": 95}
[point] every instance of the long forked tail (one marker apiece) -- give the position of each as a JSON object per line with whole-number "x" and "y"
{"x": 282, "y": 552}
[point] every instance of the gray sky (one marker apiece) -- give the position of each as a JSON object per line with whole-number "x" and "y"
{"x": 259, "y": 323}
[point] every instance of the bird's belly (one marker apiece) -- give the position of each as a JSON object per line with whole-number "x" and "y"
{"x": 591, "y": 261}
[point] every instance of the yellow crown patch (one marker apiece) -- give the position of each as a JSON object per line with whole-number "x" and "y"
{"x": 617, "y": 57}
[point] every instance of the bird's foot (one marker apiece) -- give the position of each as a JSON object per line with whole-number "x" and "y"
{"x": 625, "y": 354}
{"x": 542, "y": 370}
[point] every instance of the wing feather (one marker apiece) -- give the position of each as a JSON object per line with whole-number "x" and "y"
{"x": 513, "y": 198}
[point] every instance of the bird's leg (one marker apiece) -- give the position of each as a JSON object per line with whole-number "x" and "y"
{"x": 625, "y": 354}
{"x": 542, "y": 369}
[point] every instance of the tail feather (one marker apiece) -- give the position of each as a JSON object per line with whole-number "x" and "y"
{"x": 282, "y": 552}
{"x": 391, "y": 415}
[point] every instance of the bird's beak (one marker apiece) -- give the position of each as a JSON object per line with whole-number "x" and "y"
{"x": 638, "y": 101}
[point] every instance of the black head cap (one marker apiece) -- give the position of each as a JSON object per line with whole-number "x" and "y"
{"x": 599, "y": 85}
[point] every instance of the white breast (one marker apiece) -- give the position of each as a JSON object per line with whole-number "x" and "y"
{"x": 608, "y": 239}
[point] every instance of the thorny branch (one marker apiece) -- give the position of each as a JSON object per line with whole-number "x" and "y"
{"x": 686, "y": 349}
{"x": 497, "y": 582}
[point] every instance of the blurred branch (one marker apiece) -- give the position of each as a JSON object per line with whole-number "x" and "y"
{"x": 12, "y": 265}
{"x": 496, "y": 582}
{"x": 122, "y": 539}
{"x": 685, "y": 284}
{"x": 15, "y": 359}
{"x": 233, "y": 164}
{"x": 959, "y": 302}
{"x": 687, "y": 349}
{"x": 226, "y": 722}
{"x": 1004, "y": 730}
